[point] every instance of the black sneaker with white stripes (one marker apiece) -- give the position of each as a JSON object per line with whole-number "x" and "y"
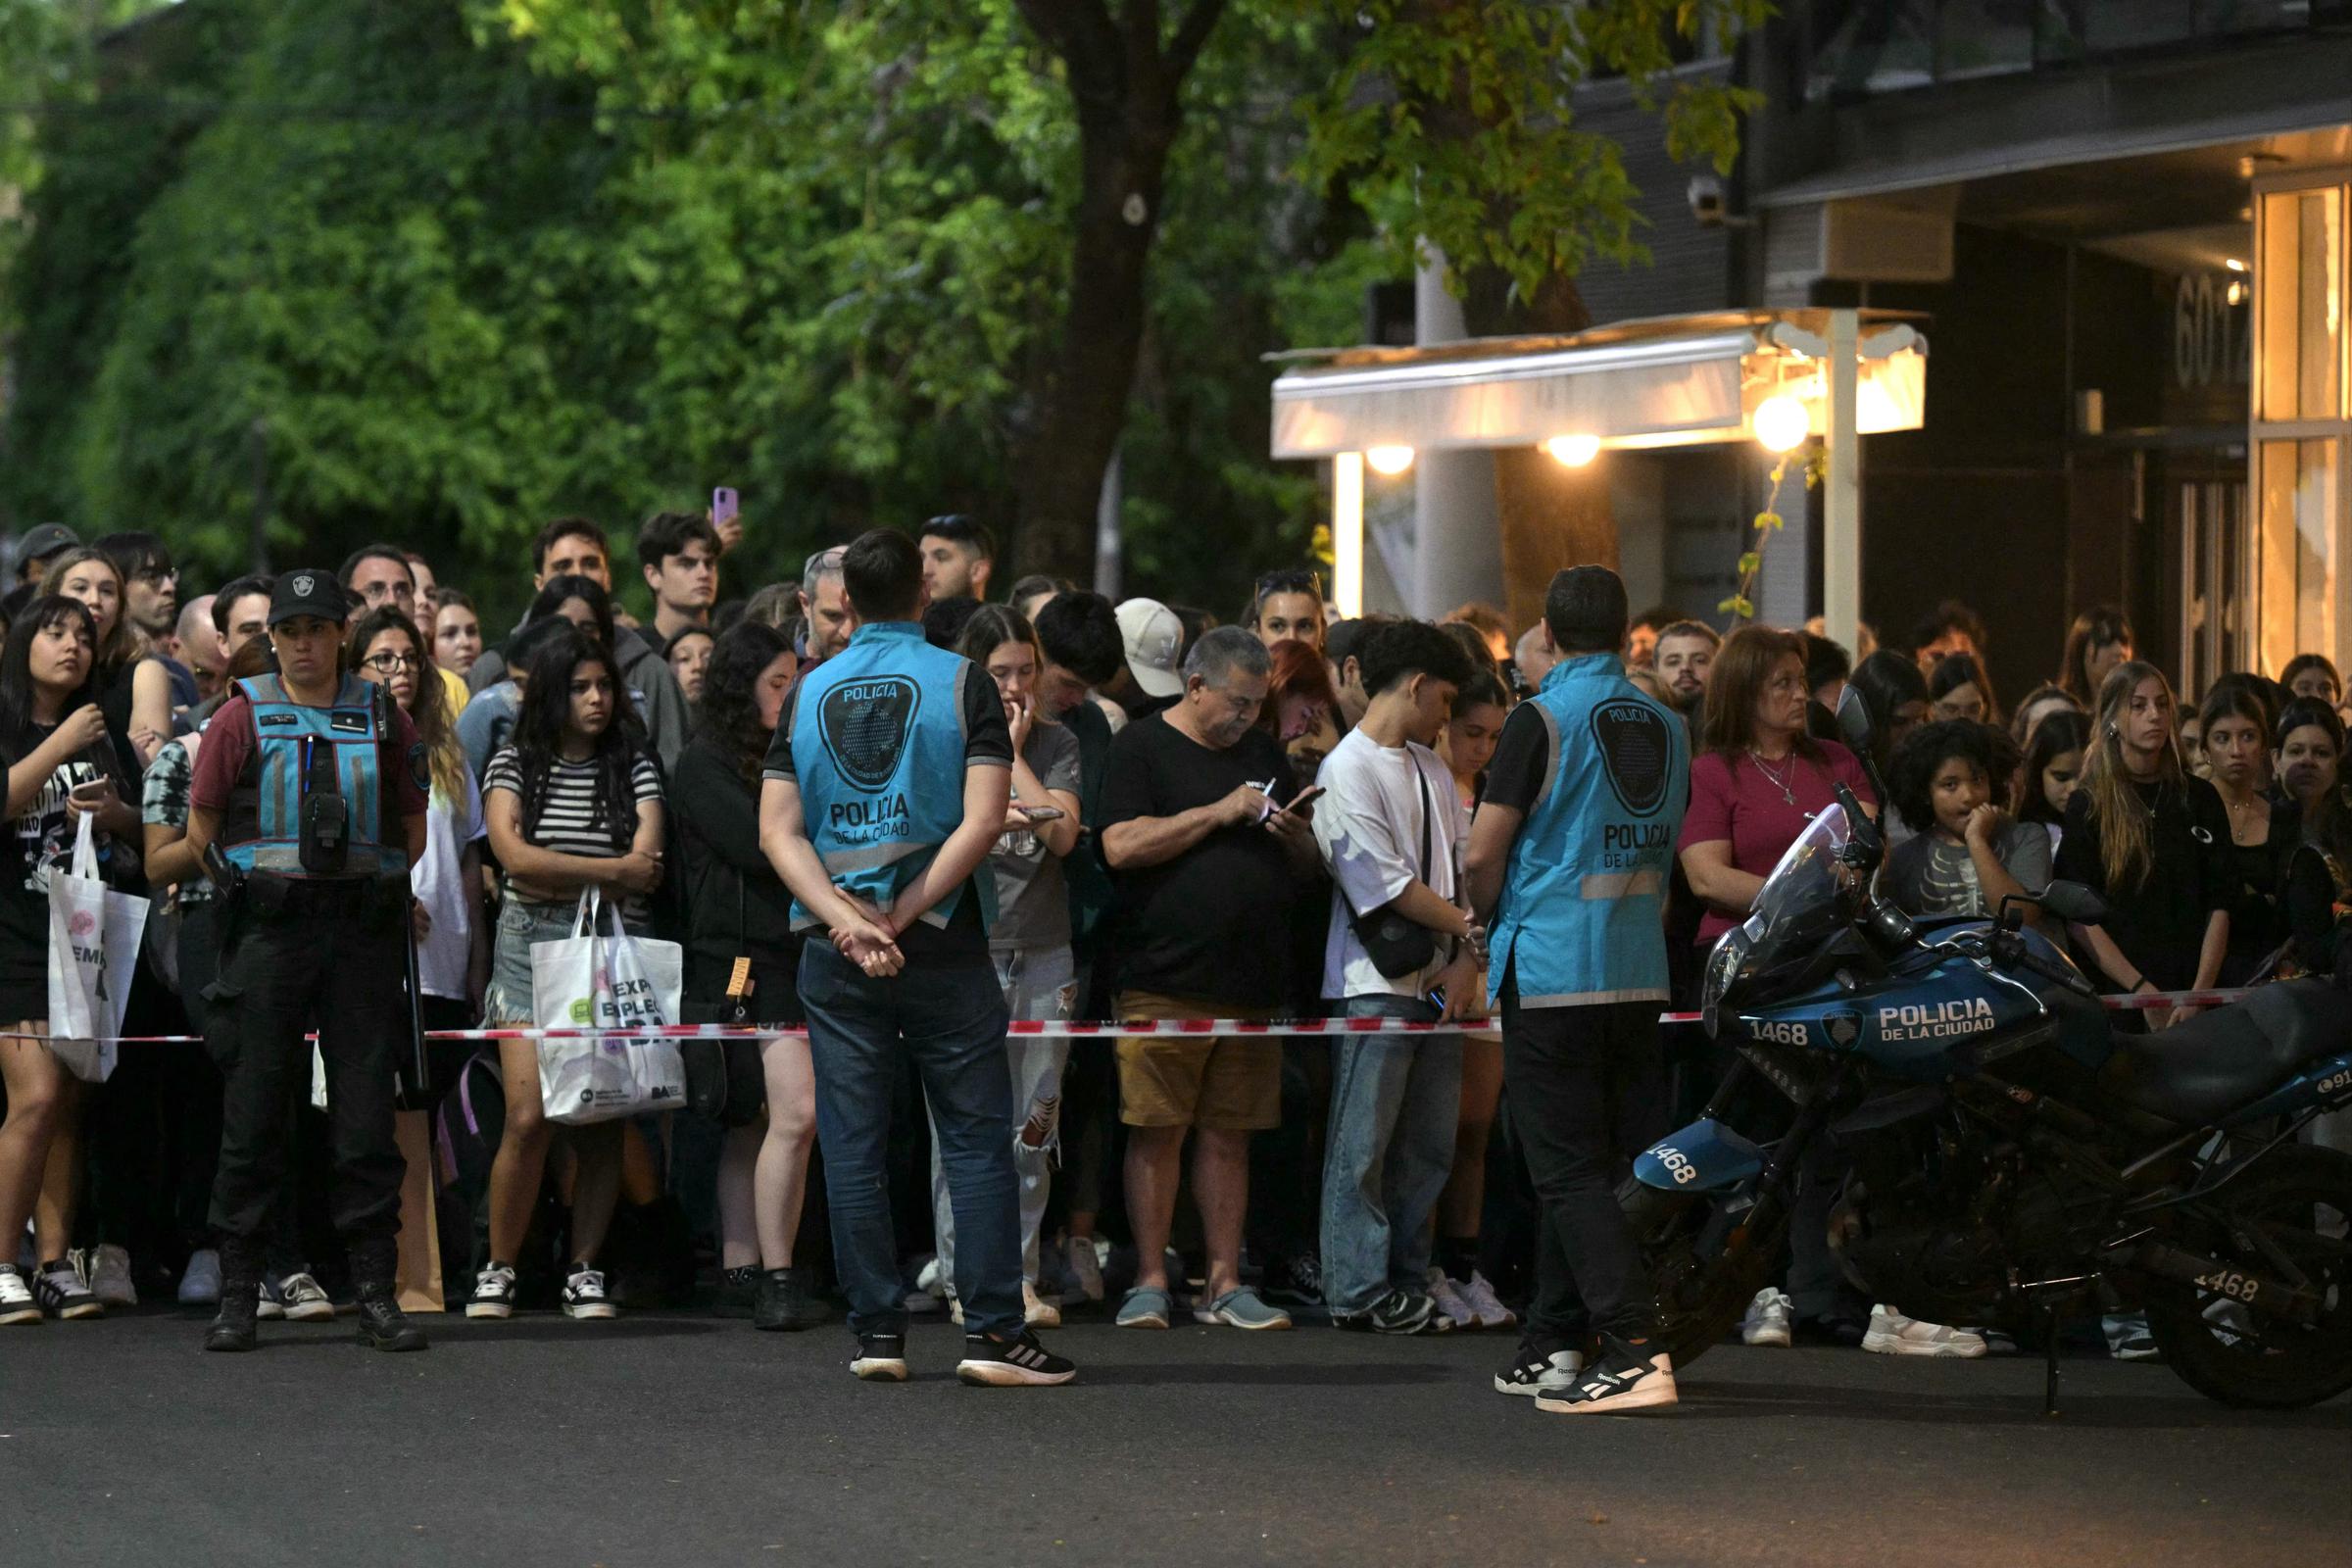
{"x": 993, "y": 1363}
{"x": 1536, "y": 1371}
{"x": 63, "y": 1294}
{"x": 584, "y": 1294}
{"x": 1630, "y": 1375}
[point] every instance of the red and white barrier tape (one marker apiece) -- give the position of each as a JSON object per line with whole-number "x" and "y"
{"x": 1100, "y": 1029}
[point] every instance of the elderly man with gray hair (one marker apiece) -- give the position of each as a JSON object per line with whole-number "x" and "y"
{"x": 1211, "y": 843}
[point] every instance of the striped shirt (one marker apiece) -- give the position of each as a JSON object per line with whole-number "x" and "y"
{"x": 567, "y": 810}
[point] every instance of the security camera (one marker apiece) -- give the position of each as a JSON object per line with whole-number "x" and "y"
{"x": 1708, "y": 207}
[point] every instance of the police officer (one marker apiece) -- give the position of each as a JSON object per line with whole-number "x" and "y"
{"x": 886, "y": 786}
{"x": 306, "y": 805}
{"x": 1569, "y": 859}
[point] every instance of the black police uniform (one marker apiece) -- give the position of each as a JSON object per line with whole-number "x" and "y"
{"x": 312, "y": 859}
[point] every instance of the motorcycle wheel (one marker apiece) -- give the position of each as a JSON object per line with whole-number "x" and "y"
{"x": 1704, "y": 1278}
{"x": 2301, "y": 1198}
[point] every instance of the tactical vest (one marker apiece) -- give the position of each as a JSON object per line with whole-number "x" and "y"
{"x": 264, "y": 827}
{"x": 877, "y": 750}
{"x": 1581, "y": 904}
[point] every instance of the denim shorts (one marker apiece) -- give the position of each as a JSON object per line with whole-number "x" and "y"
{"x": 522, "y": 923}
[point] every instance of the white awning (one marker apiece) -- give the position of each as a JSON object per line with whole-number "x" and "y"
{"x": 1633, "y": 384}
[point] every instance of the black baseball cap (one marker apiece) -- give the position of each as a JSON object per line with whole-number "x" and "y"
{"x": 308, "y": 591}
{"x": 40, "y": 543}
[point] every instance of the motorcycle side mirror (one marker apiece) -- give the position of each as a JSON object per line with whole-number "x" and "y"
{"x": 1853, "y": 722}
{"x": 2073, "y": 904}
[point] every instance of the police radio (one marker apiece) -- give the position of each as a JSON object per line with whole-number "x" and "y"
{"x": 326, "y": 840}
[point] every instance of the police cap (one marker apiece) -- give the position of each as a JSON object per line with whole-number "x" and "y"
{"x": 308, "y": 591}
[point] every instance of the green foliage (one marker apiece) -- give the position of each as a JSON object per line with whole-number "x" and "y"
{"x": 1455, "y": 122}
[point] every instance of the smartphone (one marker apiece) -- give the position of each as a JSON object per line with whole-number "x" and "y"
{"x": 1040, "y": 814}
{"x": 1305, "y": 797}
{"x": 723, "y": 504}
{"x": 91, "y": 793}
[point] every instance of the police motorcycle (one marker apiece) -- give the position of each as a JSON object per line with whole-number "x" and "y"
{"x": 1999, "y": 1151}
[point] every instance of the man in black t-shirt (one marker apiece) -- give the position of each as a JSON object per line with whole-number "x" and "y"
{"x": 1208, "y": 861}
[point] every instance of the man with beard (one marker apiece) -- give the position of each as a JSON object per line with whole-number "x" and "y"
{"x": 1685, "y": 652}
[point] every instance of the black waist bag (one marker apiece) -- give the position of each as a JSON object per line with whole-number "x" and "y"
{"x": 1398, "y": 946}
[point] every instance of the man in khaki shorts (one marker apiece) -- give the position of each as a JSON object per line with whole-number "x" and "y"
{"x": 1208, "y": 861}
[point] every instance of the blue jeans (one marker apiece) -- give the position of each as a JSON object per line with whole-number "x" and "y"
{"x": 950, "y": 1020}
{"x": 1395, "y": 1100}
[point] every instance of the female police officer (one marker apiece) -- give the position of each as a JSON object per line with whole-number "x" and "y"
{"x": 307, "y": 805}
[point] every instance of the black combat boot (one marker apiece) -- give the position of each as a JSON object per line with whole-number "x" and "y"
{"x": 383, "y": 1326}
{"x": 787, "y": 1300}
{"x": 240, "y": 1295}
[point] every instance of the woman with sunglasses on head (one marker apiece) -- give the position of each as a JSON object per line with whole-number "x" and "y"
{"x": 61, "y": 769}
{"x": 2099, "y": 640}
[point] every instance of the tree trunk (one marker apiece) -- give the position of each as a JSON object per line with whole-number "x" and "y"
{"x": 1126, "y": 83}
{"x": 1552, "y": 516}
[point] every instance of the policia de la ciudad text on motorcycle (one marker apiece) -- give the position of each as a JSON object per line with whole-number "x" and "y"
{"x": 308, "y": 809}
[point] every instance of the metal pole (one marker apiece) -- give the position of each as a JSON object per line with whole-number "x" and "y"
{"x": 1348, "y": 533}
{"x": 1841, "y": 510}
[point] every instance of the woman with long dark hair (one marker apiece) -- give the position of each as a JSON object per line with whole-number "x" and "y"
{"x": 739, "y": 911}
{"x": 2145, "y": 836}
{"x": 2252, "y": 859}
{"x": 573, "y": 801}
{"x": 2099, "y": 640}
{"x": 1961, "y": 689}
{"x": 133, "y": 689}
{"x": 2317, "y": 902}
{"x": 1030, "y": 942}
{"x": 2052, "y": 770}
{"x": 61, "y": 769}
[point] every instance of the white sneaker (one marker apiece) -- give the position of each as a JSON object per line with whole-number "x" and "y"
{"x": 1085, "y": 1265}
{"x": 1893, "y": 1334}
{"x": 200, "y": 1281}
{"x": 1449, "y": 1296}
{"x": 1036, "y": 1311}
{"x": 1767, "y": 1319}
{"x": 303, "y": 1301}
{"x": 17, "y": 1305}
{"x": 1485, "y": 1305}
{"x": 110, "y": 1276}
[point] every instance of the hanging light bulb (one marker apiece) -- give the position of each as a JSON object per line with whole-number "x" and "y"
{"x": 1389, "y": 460}
{"x": 1781, "y": 422}
{"x": 1575, "y": 451}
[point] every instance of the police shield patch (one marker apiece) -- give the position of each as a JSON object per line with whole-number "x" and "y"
{"x": 1635, "y": 750}
{"x": 865, "y": 724}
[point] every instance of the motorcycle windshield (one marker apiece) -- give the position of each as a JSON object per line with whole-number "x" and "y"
{"x": 1800, "y": 906}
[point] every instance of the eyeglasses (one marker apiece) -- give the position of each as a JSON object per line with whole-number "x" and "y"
{"x": 391, "y": 664}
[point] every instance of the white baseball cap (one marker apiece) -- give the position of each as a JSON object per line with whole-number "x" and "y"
{"x": 1155, "y": 640}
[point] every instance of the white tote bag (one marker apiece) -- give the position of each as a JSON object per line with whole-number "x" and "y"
{"x": 607, "y": 979}
{"x": 94, "y": 937}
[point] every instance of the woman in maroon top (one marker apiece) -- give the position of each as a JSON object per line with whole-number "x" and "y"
{"x": 1758, "y": 777}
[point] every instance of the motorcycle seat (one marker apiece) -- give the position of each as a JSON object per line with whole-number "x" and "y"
{"x": 2217, "y": 1061}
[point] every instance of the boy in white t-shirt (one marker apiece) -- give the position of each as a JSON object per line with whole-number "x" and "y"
{"x": 1400, "y": 944}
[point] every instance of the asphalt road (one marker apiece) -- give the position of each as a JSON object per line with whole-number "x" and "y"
{"x": 674, "y": 1439}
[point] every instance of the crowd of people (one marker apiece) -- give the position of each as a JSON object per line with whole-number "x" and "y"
{"x": 902, "y": 804}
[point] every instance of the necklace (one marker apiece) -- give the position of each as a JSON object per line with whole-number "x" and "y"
{"x": 2236, "y": 833}
{"x": 1786, "y": 785}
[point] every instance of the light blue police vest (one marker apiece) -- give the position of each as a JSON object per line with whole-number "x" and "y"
{"x": 1586, "y": 889}
{"x": 878, "y": 751}
{"x": 267, "y": 802}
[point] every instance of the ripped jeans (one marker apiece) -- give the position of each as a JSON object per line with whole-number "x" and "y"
{"x": 1039, "y": 983}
